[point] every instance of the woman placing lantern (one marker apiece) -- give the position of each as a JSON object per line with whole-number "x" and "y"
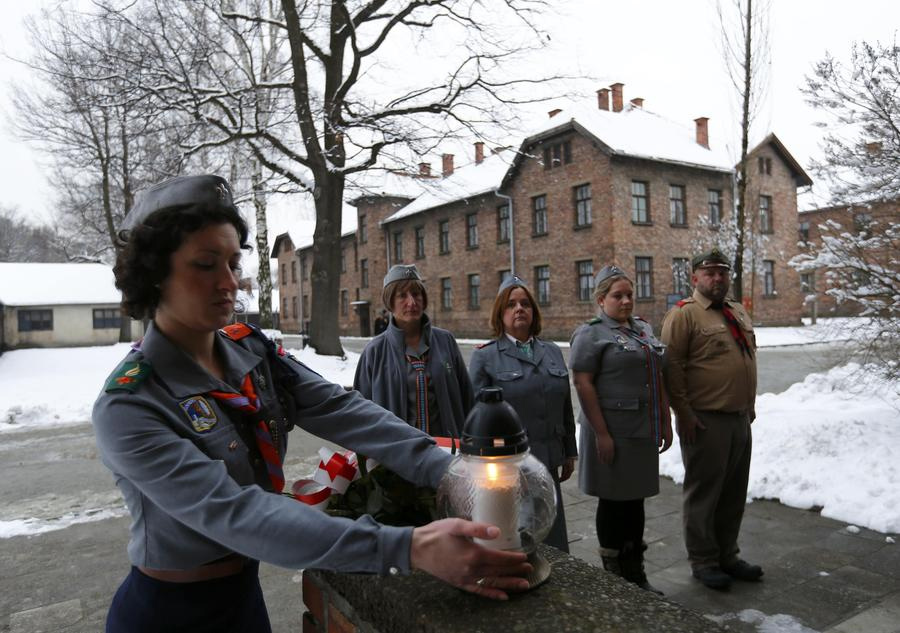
{"x": 625, "y": 422}
{"x": 193, "y": 426}
{"x": 535, "y": 381}
{"x": 412, "y": 369}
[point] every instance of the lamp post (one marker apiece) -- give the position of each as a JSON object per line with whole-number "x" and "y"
{"x": 496, "y": 480}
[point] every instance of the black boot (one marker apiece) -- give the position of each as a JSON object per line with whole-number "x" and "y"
{"x": 610, "y": 558}
{"x": 631, "y": 559}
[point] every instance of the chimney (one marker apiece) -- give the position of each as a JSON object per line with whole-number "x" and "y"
{"x": 603, "y": 99}
{"x": 479, "y": 152}
{"x": 638, "y": 102}
{"x": 702, "y": 131}
{"x": 554, "y": 112}
{"x": 425, "y": 169}
{"x": 447, "y": 166}
{"x": 617, "y": 96}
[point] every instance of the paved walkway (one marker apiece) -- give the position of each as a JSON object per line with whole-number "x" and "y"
{"x": 818, "y": 572}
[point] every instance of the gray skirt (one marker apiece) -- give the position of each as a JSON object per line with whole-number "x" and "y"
{"x": 633, "y": 473}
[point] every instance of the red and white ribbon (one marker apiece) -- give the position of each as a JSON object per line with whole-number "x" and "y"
{"x": 333, "y": 476}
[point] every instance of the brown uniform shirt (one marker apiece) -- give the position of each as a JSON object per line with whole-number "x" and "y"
{"x": 706, "y": 369}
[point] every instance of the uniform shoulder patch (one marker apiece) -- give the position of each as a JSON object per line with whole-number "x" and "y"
{"x": 596, "y": 319}
{"x": 129, "y": 376}
{"x": 485, "y": 344}
{"x": 683, "y": 302}
{"x": 237, "y": 331}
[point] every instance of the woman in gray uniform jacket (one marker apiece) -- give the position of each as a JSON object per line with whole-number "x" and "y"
{"x": 193, "y": 425}
{"x": 535, "y": 381}
{"x": 412, "y": 369}
{"x": 625, "y": 422}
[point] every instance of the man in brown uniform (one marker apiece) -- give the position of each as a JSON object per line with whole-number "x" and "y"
{"x": 711, "y": 380}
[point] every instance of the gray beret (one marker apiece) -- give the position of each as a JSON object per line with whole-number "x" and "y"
{"x": 512, "y": 280}
{"x": 402, "y": 272}
{"x": 178, "y": 192}
{"x": 606, "y": 272}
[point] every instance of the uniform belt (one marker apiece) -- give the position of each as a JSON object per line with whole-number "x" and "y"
{"x": 228, "y": 566}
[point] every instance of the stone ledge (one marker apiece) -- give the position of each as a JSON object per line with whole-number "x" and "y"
{"x": 577, "y": 598}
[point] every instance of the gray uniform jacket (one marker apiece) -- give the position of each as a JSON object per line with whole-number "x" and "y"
{"x": 193, "y": 478}
{"x": 537, "y": 388}
{"x": 631, "y": 399}
{"x": 382, "y": 371}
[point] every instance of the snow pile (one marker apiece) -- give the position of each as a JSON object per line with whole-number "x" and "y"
{"x": 778, "y": 623}
{"x": 831, "y": 441}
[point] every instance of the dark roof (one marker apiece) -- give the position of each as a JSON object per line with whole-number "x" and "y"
{"x": 801, "y": 178}
{"x": 277, "y": 245}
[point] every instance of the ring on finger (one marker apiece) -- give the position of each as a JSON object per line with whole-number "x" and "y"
{"x": 480, "y": 582}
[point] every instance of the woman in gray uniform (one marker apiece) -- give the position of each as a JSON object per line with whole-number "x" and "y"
{"x": 534, "y": 379}
{"x": 193, "y": 426}
{"x": 625, "y": 422}
{"x": 413, "y": 369}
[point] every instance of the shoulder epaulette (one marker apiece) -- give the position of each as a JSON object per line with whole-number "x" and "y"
{"x": 682, "y": 302}
{"x": 129, "y": 376}
{"x": 237, "y": 331}
{"x": 485, "y": 344}
{"x": 638, "y": 318}
{"x": 596, "y": 319}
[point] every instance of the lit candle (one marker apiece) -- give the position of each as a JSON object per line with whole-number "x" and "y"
{"x": 497, "y": 503}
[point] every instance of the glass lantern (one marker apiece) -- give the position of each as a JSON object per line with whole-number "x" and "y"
{"x": 496, "y": 480}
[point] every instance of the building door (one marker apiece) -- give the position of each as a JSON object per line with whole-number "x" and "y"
{"x": 365, "y": 325}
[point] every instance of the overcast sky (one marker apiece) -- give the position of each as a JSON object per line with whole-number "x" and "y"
{"x": 664, "y": 51}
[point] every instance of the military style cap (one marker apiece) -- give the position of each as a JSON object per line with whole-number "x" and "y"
{"x": 402, "y": 272}
{"x": 606, "y": 272}
{"x": 177, "y": 192}
{"x": 713, "y": 259}
{"x": 513, "y": 280}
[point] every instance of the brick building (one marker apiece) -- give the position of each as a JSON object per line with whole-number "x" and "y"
{"x": 867, "y": 217}
{"x": 609, "y": 183}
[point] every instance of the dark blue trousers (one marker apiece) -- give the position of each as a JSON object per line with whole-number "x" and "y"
{"x": 225, "y": 605}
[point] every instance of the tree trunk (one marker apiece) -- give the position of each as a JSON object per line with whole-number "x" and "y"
{"x": 324, "y": 333}
{"x": 264, "y": 276}
{"x": 738, "y": 286}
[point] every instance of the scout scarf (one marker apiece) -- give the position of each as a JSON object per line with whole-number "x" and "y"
{"x": 248, "y": 402}
{"x": 736, "y": 332}
{"x": 419, "y": 364}
{"x": 654, "y": 378}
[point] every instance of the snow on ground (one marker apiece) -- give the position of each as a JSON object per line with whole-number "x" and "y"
{"x": 778, "y": 623}
{"x": 831, "y": 441}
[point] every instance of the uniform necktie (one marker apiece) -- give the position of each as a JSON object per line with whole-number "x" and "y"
{"x": 418, "y": 364}
{"x": 736, "y": 332}
{"x": 248, "y": 402}
{"x": 525, "y": 349}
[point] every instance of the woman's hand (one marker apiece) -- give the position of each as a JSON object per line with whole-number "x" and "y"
{"x": 665, "y": 436}
{"x": 606, "y": 450}
{"x": 445, "y": 550}
{"x": 568, "y": 468}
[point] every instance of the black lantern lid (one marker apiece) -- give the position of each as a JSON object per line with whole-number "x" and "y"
{"x": 492, "y": 427}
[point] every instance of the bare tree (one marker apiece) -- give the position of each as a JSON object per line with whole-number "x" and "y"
{"x": 21, "y": 241}
{"x": 746, "y": 49}
{"x": 860, "y": 257}
{"x": 336, "y": 100}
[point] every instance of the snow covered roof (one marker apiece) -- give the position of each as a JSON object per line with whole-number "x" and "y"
{"x": 57, "y": 284}
{"x": 465, "y": 182}
{"x": 640, "y": 133}
{"x": 383, "y": 183}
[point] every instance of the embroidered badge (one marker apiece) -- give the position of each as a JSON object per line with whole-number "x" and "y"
{"x": 129, "y": 377}
{"x": 198, "y": 411}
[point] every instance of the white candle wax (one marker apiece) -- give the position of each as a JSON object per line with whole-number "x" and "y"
{"x": 497, "y": 503}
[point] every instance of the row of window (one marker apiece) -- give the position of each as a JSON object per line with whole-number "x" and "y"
{"x": 295, "y": 307}
{"x": 678, "y": 216}
{"x": 584, "y": 275}
{"x": 42, "y": 320}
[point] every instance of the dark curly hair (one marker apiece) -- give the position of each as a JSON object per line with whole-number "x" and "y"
{"x": 144, "y": 263}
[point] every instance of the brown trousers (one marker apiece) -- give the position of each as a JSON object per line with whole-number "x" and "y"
{"x": 716, "y": 470}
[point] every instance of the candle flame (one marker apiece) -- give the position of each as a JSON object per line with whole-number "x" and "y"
{"x": 492, "y": 472}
